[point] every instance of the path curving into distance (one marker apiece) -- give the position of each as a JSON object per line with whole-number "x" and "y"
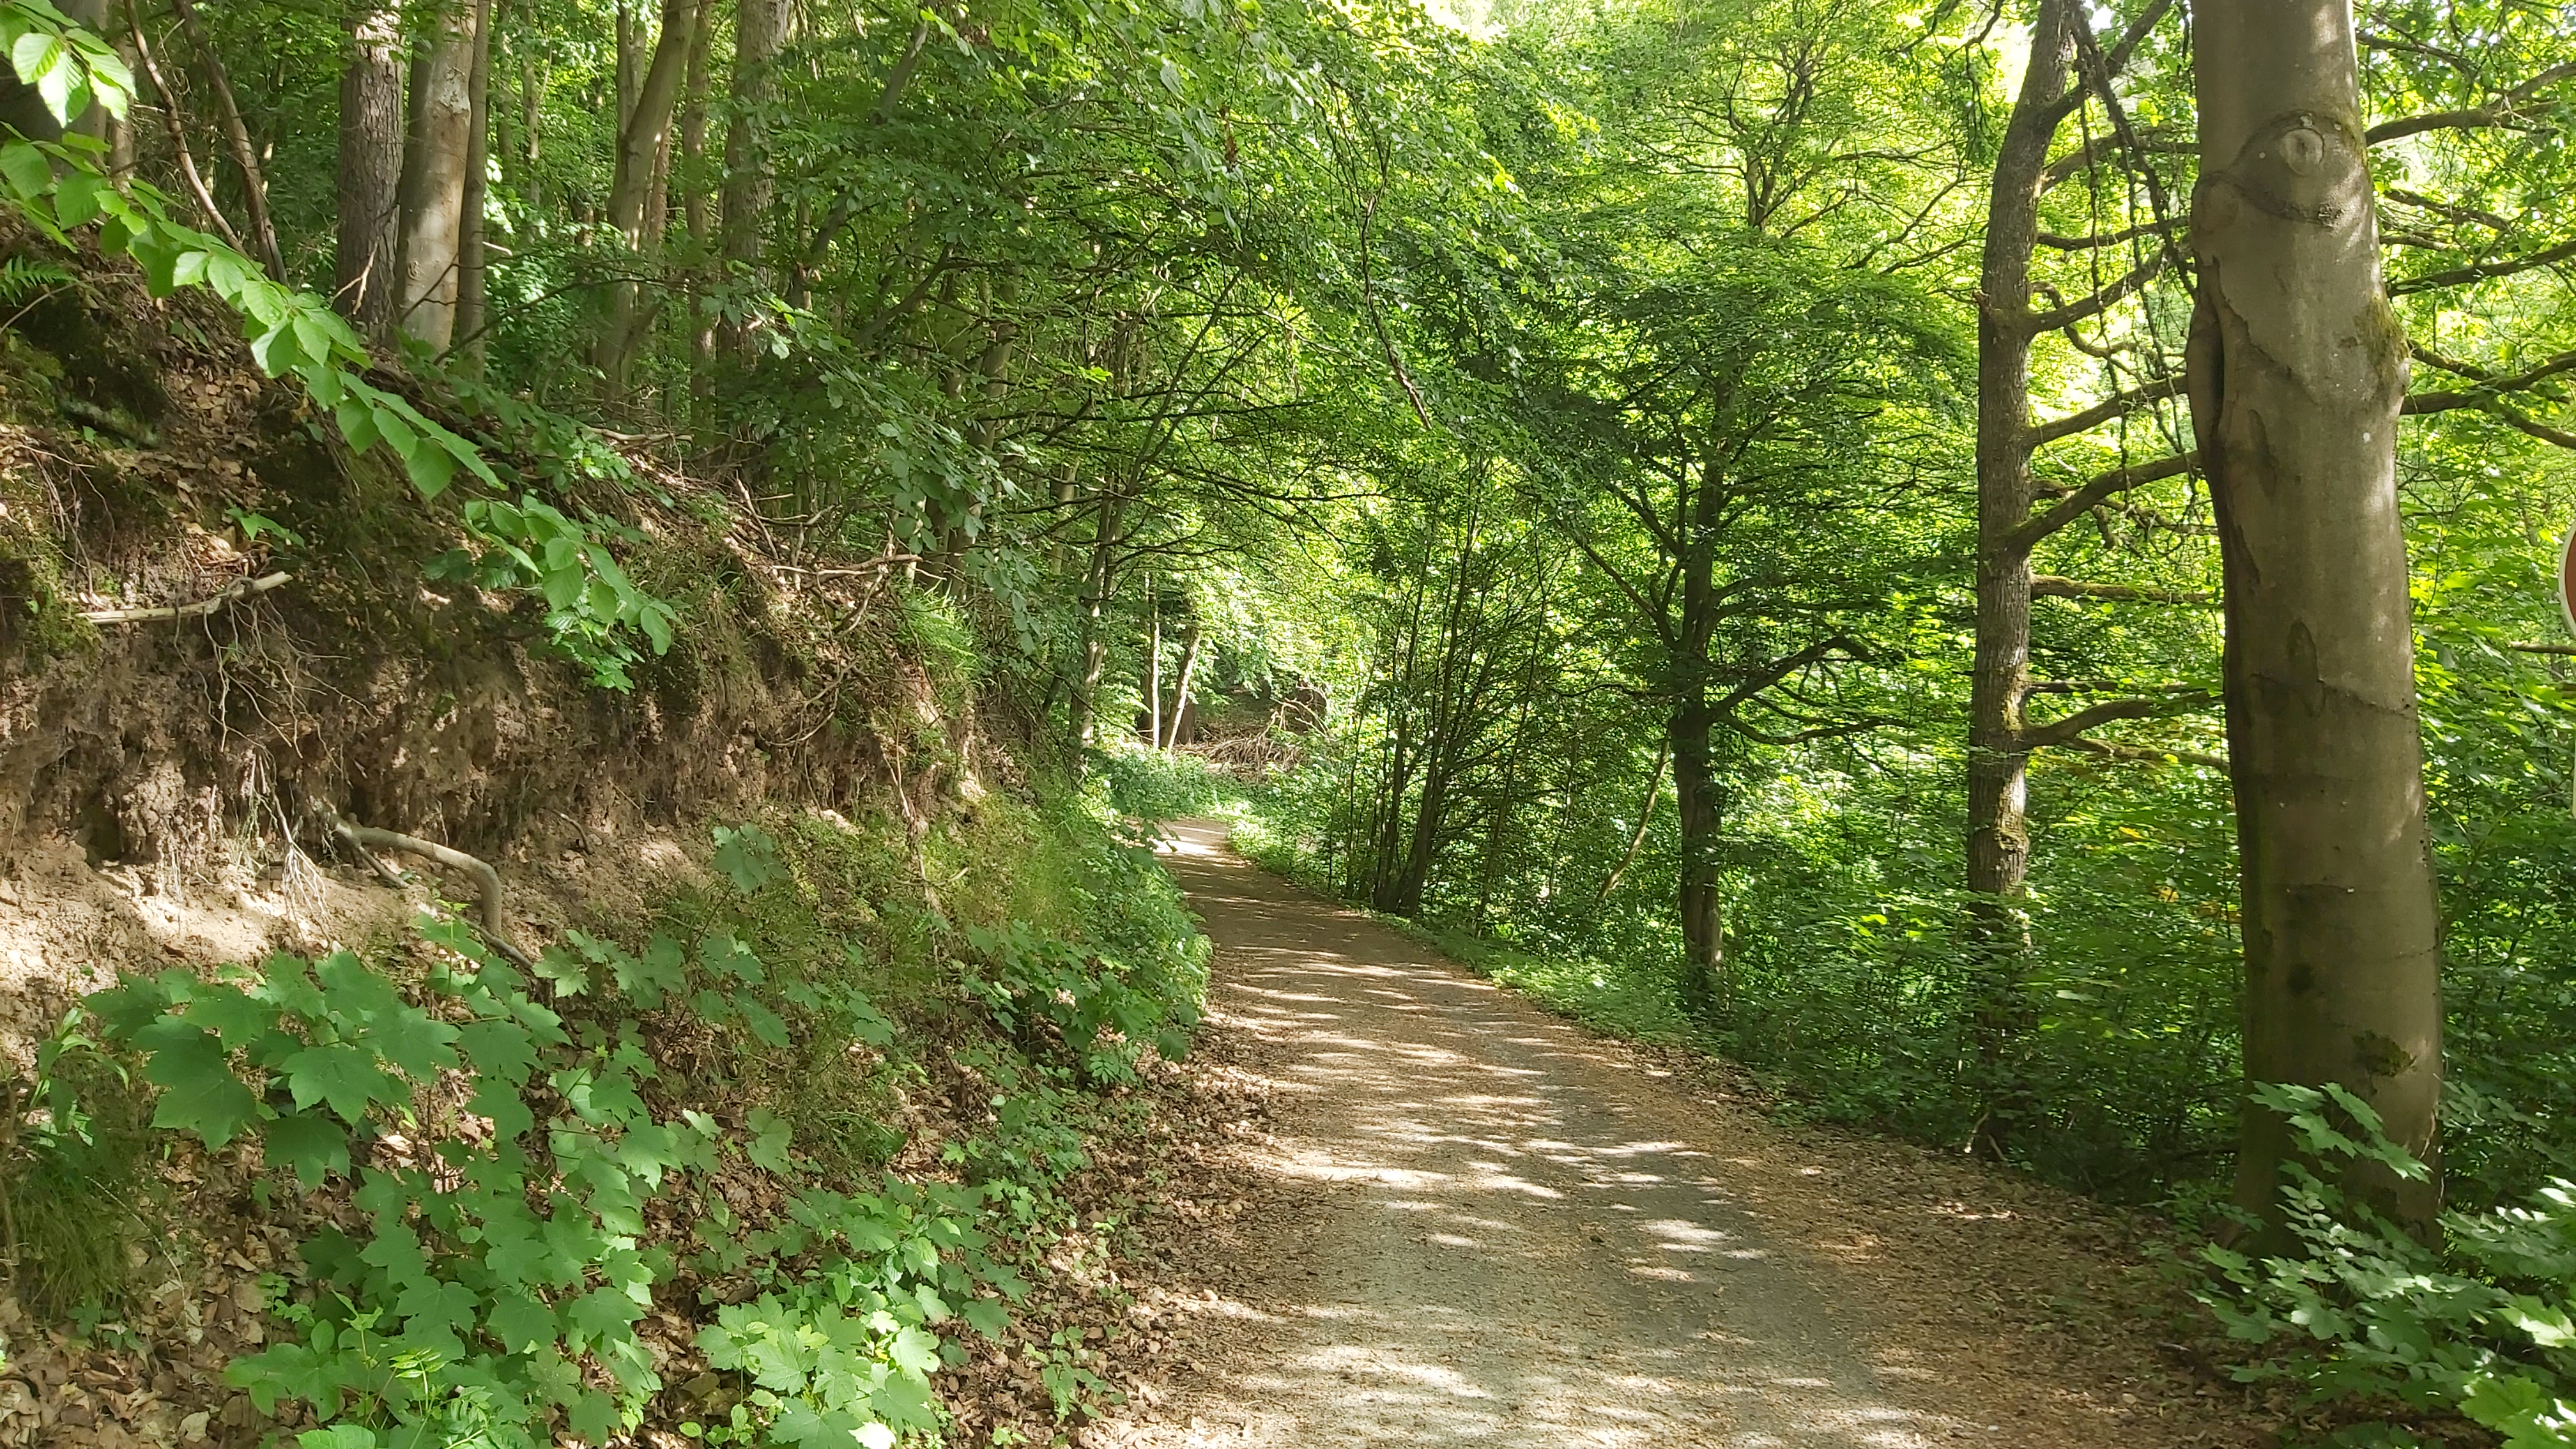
{"x": 1480, "y": 1225}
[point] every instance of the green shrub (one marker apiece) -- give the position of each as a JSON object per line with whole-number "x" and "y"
{"x": 71, "y": 1177}
{"x": 2481, "y": 1327}
{"x": 1151, "y": 786}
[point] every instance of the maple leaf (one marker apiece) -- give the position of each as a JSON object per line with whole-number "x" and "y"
{"x": 199, "y": 1094}
{"x": 312, "y": 1144}
{"x": 345, "y": 1076}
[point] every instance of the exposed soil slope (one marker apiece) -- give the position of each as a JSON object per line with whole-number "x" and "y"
{"x": 1474, "y": 1223}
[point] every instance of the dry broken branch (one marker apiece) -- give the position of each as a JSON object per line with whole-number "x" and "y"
{"x": 213, "y": 603}
{"x": 487, "y": 881}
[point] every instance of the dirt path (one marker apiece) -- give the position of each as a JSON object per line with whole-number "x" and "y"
{"x": 1472, "y": 1223}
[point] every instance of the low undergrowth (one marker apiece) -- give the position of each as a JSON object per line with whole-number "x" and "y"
{"x": 2393, "y": 1342}
{"x": 747, "y": 1171}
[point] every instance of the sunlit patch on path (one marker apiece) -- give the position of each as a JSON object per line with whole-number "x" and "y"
{"x": 1508, "y": 1249}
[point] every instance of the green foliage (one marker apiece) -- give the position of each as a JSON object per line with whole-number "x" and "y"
{"x": 2480, "y": 1327}
{"x": 499, "y": 1261}
{"x": 71, "y": 1180}
{"x": 508, "y": 1252}
{"x": 1151, "y": 786}
{"x": 592, "y": 604}
{"x": 842, "y": 1346}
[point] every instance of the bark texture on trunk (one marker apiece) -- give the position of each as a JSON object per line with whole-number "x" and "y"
{"x": 2297, "y": 368}
{"x": 1997, "y": 942}
{"x": 369, "y": 243}
{"x": 433, "y": 202}
{"x": 759, "y": 34}
{"x": 640, "y": 182}
{"x": 1998, "y": 761}
{"x": 1702, "y": 812}
{"x": 470, "y": 283}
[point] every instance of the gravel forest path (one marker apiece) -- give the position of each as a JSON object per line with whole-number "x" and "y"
{"x": 1470, "y": 1222}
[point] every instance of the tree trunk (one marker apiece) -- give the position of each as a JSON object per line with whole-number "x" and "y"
{"x": 1091, "y": 647}
{"x": 759, "y": 34}
{"x": 1695, "y": 785}
{"x": 643, "y": 149}
{"x": 470, "y": 286}
{"x": 532, "y": 117}
{"x": 1997, "y": 942}
{"x": 2297, "y": 368}
{"x": 1695, "y": 796}
{"x": 1154, "y": 666}
{"x": 263, "y": 229}
{"x": 433, "y": 201}
{"x": 1178, "y": 732}
{"x": 371, "y": 169}
{"x": 697, "y": 203}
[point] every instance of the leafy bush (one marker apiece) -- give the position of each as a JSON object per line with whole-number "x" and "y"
{"x": 2481, "y": 1327}
{"x": 71, "y": 1156}
{"x": 1152, "y": 786}
{"x": 496, "y": 1131}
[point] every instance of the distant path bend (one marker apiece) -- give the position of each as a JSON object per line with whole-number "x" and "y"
{"x": 1486, "y": 1227}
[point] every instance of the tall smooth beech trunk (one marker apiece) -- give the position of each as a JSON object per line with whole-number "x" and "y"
{"x": 2297, "y": 369}
{"x": 371, "y": 165}
{"x": 433, "y": 201}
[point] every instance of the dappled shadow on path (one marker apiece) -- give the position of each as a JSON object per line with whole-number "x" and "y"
{"x": 1506, "y": 1248}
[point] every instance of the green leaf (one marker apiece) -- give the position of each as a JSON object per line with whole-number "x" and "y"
{"x": 770, "y": 1140}
{"x": 987, "y": 1316}
{"x": 200, "y": 1093}
{"x": 429, "y": 1305}
{"x": 762, "y": 1022}
{"x": 601, "y": 1314}
{"x": 432, "y": 468}
{"x": 521, "y": 1322}
{"x": 337, "y": 1436}
{"x": 313, "y": 1145}
{"x": 345, "y": 1076}
{"x": 747, "y": 855}
{"x": 26, "y": 169}
{"x": 498, "y": 1049}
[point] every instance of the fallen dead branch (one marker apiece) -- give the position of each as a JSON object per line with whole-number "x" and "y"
{"x": 358, "y": 838}
{"x": 213, "y": 603}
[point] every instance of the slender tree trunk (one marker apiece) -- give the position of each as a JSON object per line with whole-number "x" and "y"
{"x": 433, "y": 201}
{"x": 1154, "y": 667}
{"x": 532, "y": 119}
{"x": 630, "y": 61}
{"x": 1696, "y": 798}
{"x": 263, "y": 229}
{"x": 1694, "y": 726}
{"x": 697, "y": 203}
{"x": 2297, "y": 367}
{"x": 1091, "y": 645}
{"x": 470, "y": 277}
{"x": 371, "y": 167}
{"x": 643, "y": 149}
{"x": 1178, "y": 732}
{"x": 1645, "y": 817}
{"x": 1997, "y": 942}
{"x": 759, "y": 35}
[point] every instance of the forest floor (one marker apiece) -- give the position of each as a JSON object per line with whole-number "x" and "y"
{"x": 1460, "y": 1220}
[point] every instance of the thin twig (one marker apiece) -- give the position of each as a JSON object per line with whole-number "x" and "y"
{"x": 245, "y": 156}
{"x": 178, "y": 132}
{"x": 215, "y": 603}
